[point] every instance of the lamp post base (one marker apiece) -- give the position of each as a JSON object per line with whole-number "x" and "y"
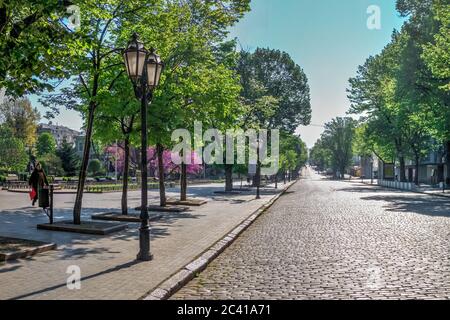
{"x": 144, "y": 244}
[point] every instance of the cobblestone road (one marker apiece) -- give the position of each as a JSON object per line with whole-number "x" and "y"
{"x": 336, "y": 240}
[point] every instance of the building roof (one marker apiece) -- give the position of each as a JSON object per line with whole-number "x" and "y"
{"x": 53, "y": 127}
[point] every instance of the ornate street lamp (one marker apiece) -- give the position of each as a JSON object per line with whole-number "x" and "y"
{"x": 154, "y": 69}
{"x": 144, "y": 69}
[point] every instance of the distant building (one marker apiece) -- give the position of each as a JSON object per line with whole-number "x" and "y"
{"x": 60, "y": 133}
{"x": 79, "y": 147}
{"x": 366, "y": 167}
{"x": 432, "y": 168}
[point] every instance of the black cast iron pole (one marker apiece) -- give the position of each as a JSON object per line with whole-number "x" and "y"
{"x": 371, "y": 172}
{"x": 144, "y": 231}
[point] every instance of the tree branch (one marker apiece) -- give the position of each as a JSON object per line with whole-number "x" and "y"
{"x": 111, "y": 85}
{"x": 84, "y": 85}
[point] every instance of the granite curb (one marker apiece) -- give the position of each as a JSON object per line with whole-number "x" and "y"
{"x": 437, "y": 194}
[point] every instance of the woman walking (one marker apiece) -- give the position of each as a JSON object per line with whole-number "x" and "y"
{"x": 38, "y": 180}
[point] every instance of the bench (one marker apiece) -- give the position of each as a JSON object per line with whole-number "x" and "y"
{"x": 12, "y": 177}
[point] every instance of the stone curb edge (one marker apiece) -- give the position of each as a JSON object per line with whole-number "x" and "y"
{"x": 414, "y": 191}
{"x": 175, "y": 282}
{"x": 27, "y": 252}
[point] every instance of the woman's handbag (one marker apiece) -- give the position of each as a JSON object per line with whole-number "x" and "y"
{"x": 32, "y": 194}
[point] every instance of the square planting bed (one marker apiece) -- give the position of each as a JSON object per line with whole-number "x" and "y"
{"x": 117, "y": 216}
{"x": 88, "y": 227}
{"x": 188, "y": 202}
{"x": 157, "y": 208}
{"x": 234, "y": 192}
{"x": 14, "y": 248}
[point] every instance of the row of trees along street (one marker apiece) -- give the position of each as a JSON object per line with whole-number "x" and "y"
{"x": 205, "y": 77}
{"x": 400, "y": 95}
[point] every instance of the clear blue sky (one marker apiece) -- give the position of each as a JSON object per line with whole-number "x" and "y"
{"x": 327, "y": 38}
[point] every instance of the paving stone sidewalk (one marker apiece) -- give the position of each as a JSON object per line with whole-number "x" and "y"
{"x": 108, "y": 266}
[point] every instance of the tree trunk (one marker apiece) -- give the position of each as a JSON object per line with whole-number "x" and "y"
{"x": 254, "y": 179}
{"x": 258, "y": 178}
{"x": 183, "y": 182}
{"x": 447, "y": 174}
{"x": 402, "y": 169}
{"x": 162, "y": 187}
{"x": 371, "y": 172}
{"x": 84, "y": 165}
{"x": 228, "y": 177}
{"x": 416, "y": 177}
{"x": 125, "y": 177}
{"x": 284, "y": 177}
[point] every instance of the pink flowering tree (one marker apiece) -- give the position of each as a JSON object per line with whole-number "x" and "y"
{"x": 116, "y": 154}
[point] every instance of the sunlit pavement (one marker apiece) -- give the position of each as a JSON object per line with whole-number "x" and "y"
{"x": 108, "y": 266}
{"x": 336, "y": 240}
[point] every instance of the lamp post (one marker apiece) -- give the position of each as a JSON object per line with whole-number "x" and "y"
{"x": 371, "y": 170}
{"x": 258, "y": 171}
{"x": 144, "y": 70}
{"x": 443, "y": 173}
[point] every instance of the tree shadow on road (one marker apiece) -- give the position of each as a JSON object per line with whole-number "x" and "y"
{"x": 112, "y": 269}
{"x": 364, "y": 189}
{"x": 421, "y": 204}
{"x": 76, "y": 245}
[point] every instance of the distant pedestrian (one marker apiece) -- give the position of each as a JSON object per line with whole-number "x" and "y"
{"x": 38, "y": 180}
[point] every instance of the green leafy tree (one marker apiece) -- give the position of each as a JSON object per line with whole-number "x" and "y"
{"x": 280, "y": 77}
{"x": 195, "y": 70}
{"x": 275, "y": 93}
{"x": 367, "y": 143}
{"x": 422, "y": 84}
{"x": 338, "y": 139}
{"x": 402, "y": 91}
{"x": 284, "y": 165}
{"x": 32, "y": 35}
{"x": 21, "y": 118}
{"x": 374, "y": 92}
{"x": 13, "y": 157}
{"x": 69, "y": 158}
{"x": 258, "y": 114}
{"x": 51, "y": 164}
{"x": 45, "y": 144}
{"x": 291, "y": 159}
{"x": 437, "y": 53}
{"x": 94, "y": 55}
{"x": 95, "y": 167}
{"x": 119, "y": 120}
{"x": 320, "y": 156}
{"x": 293, "y": 153}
